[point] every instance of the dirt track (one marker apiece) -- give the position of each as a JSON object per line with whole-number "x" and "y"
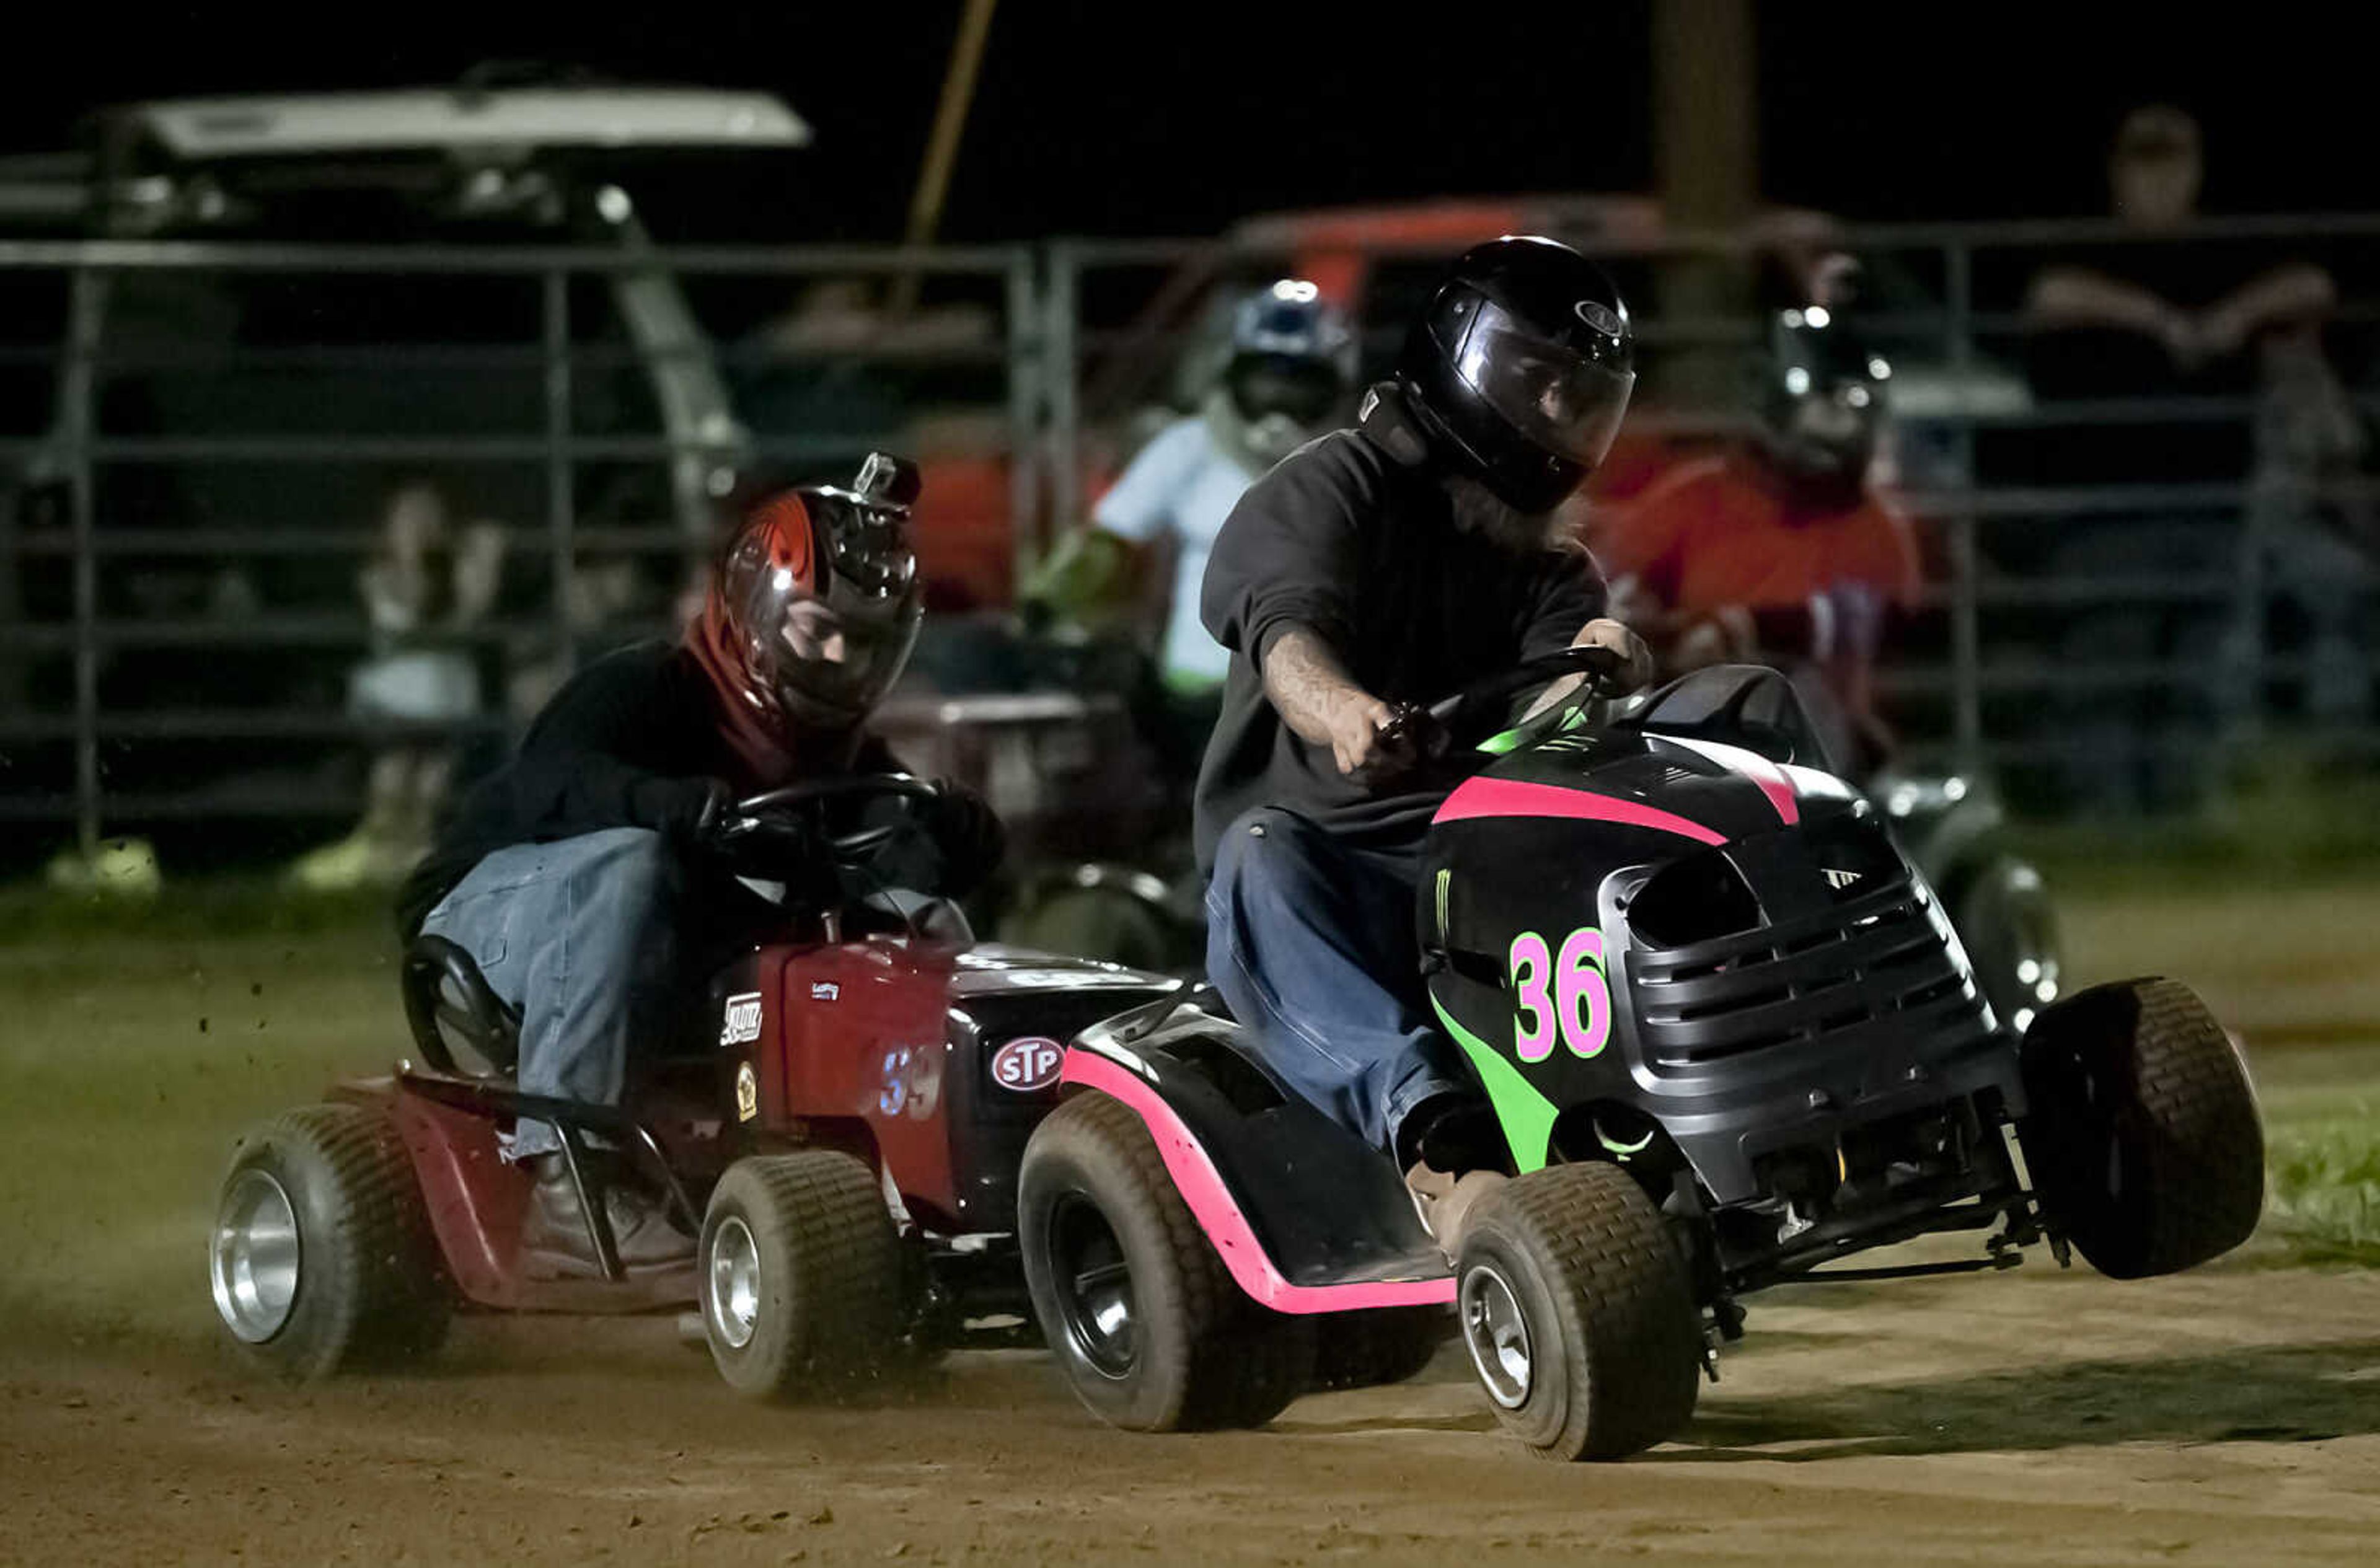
{"x": 2229, "y": 1417}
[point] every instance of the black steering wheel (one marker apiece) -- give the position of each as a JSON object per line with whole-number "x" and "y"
{"x": 816, "y": 794}
{"x": 1483, "y": 708}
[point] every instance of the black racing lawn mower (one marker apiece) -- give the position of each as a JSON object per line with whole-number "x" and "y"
{"x": 1731, "y": 1038}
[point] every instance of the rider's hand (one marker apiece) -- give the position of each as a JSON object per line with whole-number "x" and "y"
{"x": 967, "y": 830}
{"x": 1636, "y": 659}
{"x": 689, "y": 812}
{"x": 1355, "y": 725}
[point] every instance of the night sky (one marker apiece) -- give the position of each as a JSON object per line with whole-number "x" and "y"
{"x": 1137, "y": 118}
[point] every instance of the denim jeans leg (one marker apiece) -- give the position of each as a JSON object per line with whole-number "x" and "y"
{"x": 576, "y": 934}
{"x": 1310, "y": 941}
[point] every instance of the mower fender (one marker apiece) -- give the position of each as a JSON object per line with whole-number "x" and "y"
{"x": 1307, "y": 1217}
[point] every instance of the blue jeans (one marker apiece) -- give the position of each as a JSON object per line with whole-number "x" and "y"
{"x": 579, "y": 935}
{"x": 1310, "y": 938}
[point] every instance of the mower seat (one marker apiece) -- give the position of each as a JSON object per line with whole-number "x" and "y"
{"x": 448, "y": 1002}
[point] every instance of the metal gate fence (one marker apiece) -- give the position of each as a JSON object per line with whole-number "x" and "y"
{"x": 192, "y": 496}
{"x": 177, "y": 608}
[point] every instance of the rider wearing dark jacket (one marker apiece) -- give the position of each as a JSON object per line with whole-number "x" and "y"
{"x": 1372, "y": 569}
{"x": 588, "y": 875}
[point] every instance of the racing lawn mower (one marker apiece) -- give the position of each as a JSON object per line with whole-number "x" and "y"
{"x": 1731, "y": 1038}
{"x": 840, "y": 1119}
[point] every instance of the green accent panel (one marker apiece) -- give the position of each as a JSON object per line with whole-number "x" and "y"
{"x": 1509, "y": 741}
{"x": 1528, "y": 1116}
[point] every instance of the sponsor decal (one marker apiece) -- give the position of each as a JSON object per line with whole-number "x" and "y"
{"x": 825, "y": 990}
{"x": 1029, "y": 1063}
{"x": 1838, "y": 879}
{"x": 741, "y": 1022}
{"x": 747, "y": 1093}
{"x": 1597, "y": 316}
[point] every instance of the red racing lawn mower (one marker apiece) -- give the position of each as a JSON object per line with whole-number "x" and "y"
{"x": 843, "y": 1121}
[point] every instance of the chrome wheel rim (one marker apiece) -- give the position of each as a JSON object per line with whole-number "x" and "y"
{"x": 1499, "y": 1336}
{"x": 254, "y": 1260}
{"x": 731, "y": 1291}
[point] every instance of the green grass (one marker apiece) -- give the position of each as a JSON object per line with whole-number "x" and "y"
{"x": 2321, "y": 1126}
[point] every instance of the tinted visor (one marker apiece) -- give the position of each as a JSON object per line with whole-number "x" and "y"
{"x": 841, "y": 659}
{"x": 1561, "y": 396}
{"x": 829, "y": 649}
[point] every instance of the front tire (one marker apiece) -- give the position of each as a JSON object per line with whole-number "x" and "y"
{"x": 800, "y": 1274}
{"x": 1147, "y": 1323}
{"x": 2142, "y": 1134}
{"x": 1576, "y": 1308}
{"x": 321, "y": 1258}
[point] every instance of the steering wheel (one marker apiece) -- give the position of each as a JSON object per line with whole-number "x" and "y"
{"x": 1483, "y": 708}
{"x": 817, "y": 793}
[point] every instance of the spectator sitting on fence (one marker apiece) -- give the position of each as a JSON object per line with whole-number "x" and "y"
{"x": 428, "y": 581}
{"x": 1782, "y": 549}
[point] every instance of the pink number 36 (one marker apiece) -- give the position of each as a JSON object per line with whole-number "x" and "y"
{"x": 1565, "y": 994}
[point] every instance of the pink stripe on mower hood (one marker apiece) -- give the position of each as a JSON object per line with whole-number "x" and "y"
{"x": 1754, "y": 766}
{"x": 1211, "y": 1204}
{"x": 1512, "y": 797}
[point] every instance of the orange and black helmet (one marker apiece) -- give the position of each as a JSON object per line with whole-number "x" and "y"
{"x": 815, "y": 605}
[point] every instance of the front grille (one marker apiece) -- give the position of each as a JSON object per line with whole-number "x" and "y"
{"x": 1879, "y": 955}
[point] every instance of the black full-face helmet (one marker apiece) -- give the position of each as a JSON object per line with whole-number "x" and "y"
{"x": 1520, "y": 367}
{"x": 1822, "y": 398}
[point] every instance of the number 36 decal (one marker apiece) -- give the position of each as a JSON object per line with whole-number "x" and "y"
{"x": 1565, "y": 994}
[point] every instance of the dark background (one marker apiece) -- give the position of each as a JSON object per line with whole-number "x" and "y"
{"x": 1147, "y": 119}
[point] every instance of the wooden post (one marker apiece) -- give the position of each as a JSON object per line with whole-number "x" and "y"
{"x": 942, "y": 147}
{"x": 1705, "y": 150}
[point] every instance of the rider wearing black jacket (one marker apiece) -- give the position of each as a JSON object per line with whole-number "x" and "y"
{"x": 586, "y": 876}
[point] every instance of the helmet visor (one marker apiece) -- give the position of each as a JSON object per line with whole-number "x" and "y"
{"x": 1565, "y": 398}
{"x": 830, "y": 660}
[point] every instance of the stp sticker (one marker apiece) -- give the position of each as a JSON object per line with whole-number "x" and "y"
{"x": 741, "y": 1022}
{"x": 747, "y": 1093}
{"x": 1028, "y": 1063}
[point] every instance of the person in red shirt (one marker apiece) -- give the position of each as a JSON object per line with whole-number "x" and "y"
{"x": 1782, "y": 549}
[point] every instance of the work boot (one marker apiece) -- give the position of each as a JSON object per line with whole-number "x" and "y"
{"x": 1450, "y": 1146}
{"x": 555, "y": 1242}
{"x": 1445, "y": 1200}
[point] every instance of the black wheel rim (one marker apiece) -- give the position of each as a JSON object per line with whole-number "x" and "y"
{"x": 1094, "y": 1287}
